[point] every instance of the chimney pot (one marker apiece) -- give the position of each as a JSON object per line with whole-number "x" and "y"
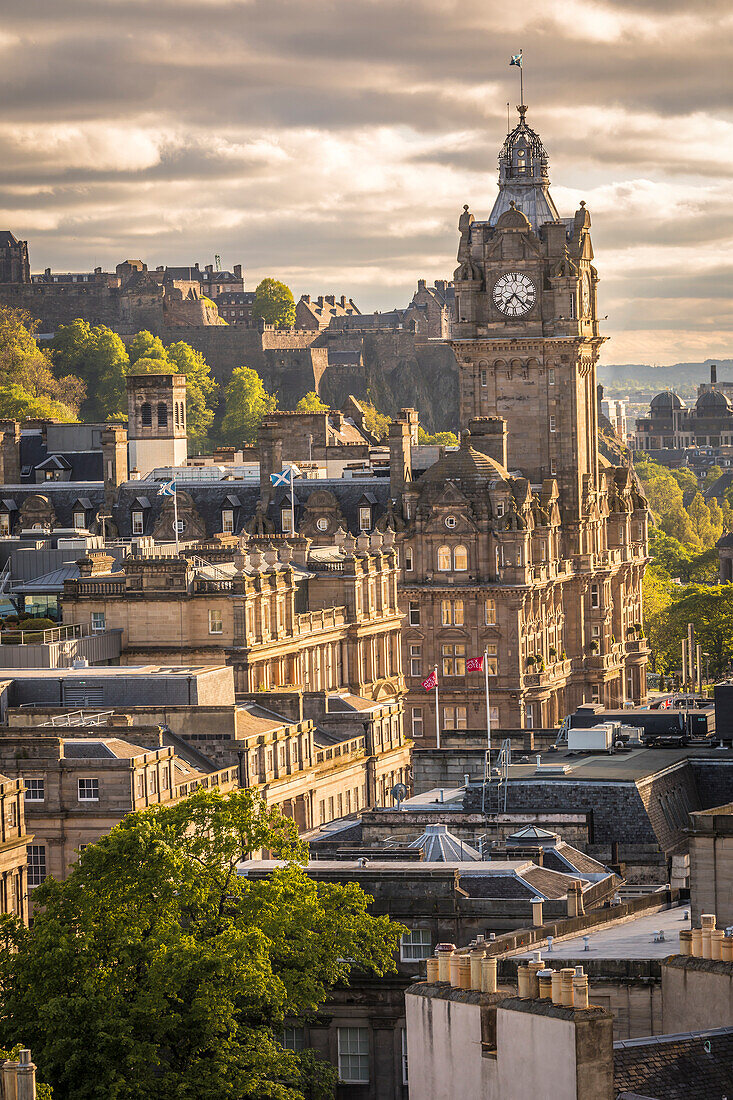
{"x": 488, "y": 974}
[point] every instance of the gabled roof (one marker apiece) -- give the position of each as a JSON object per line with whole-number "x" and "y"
{"x": 676, "y": 1067}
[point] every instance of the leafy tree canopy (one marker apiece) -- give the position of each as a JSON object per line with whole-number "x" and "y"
{"x": 99, "y": 356}
{"x": 375, "y": 422}
{"x": 247, "y": 402}
{"x": 311, "y": 403}
{"x": 28, "y": 385}
{"x": 274, "y": 303}
{"x": 447, "y": 439}
{"x": 154, "y": 972}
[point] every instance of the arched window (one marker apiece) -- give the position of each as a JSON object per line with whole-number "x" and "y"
{"x": 146, "y": 415}
{"x": 460, "y": 559}
{"x": 162, "y": 414}
{"x": 444, "y": 562}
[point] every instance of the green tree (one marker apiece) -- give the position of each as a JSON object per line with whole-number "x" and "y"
{"x": 28, "y": 385}
{"x": 375, "y": 422}
{"x": 311, "y": 403}
{"x": 146, "y": 346}
{"x": 446, "y": 439}
{"x": 155, "y": 972}
{"x": 201, "y": 389}
{"x": 710, "y": 610}
{"x": 274, "y": 304}
{"x": 247, "y": 402}
{"x": 98, "y": 356}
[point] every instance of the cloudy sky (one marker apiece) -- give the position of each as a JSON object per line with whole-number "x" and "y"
{"x": 334, "y": 144}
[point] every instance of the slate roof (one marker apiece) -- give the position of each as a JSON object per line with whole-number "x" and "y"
{"x": 676, "y": 1067}
{"x": 469, "y": 467}
{"x": 565, "y": 858}
{"x": 49, "y": 582}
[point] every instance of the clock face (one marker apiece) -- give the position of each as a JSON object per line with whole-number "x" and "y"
{"x": 514, "y": 294}
{"x": 585, "y": 295}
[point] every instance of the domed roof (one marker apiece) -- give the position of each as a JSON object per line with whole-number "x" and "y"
{"x": 712, "y": 402}
{"x": 667, "y": 400}
{"x": 513, "y": 219}
{"x": 469, "y": 467}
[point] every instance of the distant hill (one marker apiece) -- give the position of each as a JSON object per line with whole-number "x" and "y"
{"x": 644, "y": 378}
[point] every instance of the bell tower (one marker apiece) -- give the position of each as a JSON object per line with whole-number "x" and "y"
{"x": 526, "y": 333}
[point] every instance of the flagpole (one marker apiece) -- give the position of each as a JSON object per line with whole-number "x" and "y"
{"x": 175, "y": 513}
{"x": 488, "y": 713}
{"x": 292, "y": 504}
{"x": 437, "y": 709}
{"x": 521, "y": 79}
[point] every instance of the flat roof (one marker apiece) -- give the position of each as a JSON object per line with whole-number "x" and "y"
{"x": 397, "y": 866}
{"x": 629, "y": 939}
{"x": 626, "y": 767}
{"x": 107, "y": 671}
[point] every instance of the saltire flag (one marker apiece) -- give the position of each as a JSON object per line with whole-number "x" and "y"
{"x": 284, "y": 477}
{"x": 516, "y": 59}
{"x": 431, "y": 682}
{"x": 475, "y": 664}
{"x": 167, "y": 489}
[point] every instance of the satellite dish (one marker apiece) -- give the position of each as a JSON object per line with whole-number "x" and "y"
{"x": 399, "y": 793}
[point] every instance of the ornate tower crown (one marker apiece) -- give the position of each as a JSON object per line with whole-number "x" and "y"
{"x": 523, "y": 176}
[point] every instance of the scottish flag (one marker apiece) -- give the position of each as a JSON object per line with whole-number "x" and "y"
{"x": 516, "y": 59}
{"x": 285, "y": 477}
{"x": 167, "y": 489}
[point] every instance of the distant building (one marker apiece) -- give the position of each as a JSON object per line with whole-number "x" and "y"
{"x": 318, "y": 313}
{"x": 14, "y": 266}
{"x": 235, "y": 307}
{"x": 157, "y": 436}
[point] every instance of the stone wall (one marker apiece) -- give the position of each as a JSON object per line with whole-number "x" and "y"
{"x": 696, "y": 993}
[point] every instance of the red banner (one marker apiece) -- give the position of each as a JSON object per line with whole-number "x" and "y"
{"x": 431, "y": 682}
{"x": 475, "y": 664}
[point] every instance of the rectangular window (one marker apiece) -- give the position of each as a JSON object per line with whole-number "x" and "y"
{"x": 551, "y": 376}
{"x": 293, "y": 1038}
{"x": 153, "y": 781}
{"x": 484, "y": 378}
{"x": 286, "y": 521}
{"x": 529, "y": 717}
{"x": 454, "y": 659}
{"x": 553, "y": 466}
{"x": 552, "y": 423}
{"x": 227, "y": 521}
{"x": 4, "y": 523}
{"x": 415, "y": 660}
{"x": 416, "y": 945}
{"x": 417, "y": 722}
{"x": 595, "y": 596}
{"x": 36, "y": 864}
{"x": 455, "y": 718}
{"x": 35, "y": 790}
{"x": 164, "y": 781}
{"x": 405, "y": 1079}
{"x": 408, "y": 559}
{"x": 489, "y": 612}
{"x": 216, "y": 626}
{"x": 137, "y": 523}
{"x": 492, "y": 659}
{"x": 365, "y": 518}
{"x": 99, "y": 622}
{"x": 80, "y": 520}
{"x": 353, "y": 1055}
{"x": 89, "y": 790}
{"x": 414, "y": 613}
{"x": 500, "y": 508}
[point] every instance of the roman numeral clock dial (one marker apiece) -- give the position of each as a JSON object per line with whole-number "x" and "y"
{"x": 514, "y": 294}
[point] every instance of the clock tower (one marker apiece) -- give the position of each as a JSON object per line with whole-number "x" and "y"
{"x": 526, "y": 333}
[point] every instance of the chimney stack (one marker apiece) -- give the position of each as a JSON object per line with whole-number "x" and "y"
{"x": 400, "y": 457}
{"x": 270, "y": 447}
{"x": 489, "y": 436}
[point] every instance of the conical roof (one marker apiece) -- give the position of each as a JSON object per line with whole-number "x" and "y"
{"x": 440, "y": 846}
{"x": 532, "y": 834}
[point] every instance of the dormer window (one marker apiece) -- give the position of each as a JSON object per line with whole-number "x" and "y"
{"x": 227, "y": 521}
{"x": 365, "y": 518}
{"x": 500, "y": 508}
{"x": 286, "y": 522}
{"x": 138, "y": 523}
{"x": 450, "y": 521}
{"x": 322, "y": 523}
{"x": 79, "y": 521}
